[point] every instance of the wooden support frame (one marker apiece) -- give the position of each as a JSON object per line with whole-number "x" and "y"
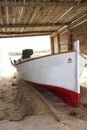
{"x": 58, "y": 41}
{"x": 52, "y": 44}
{"x": 27, "y": 32}
{"x": 32, "y": 25}
{"x": 23, "y": 35}
{"x": 72, "y": 24}
{"x": 70, "y": 46}
{"x": 42, "y": 3}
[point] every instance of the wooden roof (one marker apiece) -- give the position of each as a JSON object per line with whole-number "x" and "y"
{"x": 39, "y": 17}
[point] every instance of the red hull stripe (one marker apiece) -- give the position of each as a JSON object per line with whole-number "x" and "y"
{"x": 70, "y": 97}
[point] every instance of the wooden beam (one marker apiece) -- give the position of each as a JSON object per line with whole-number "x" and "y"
{"x": 52, "y": 44}
{"x": 31, "y": 25}
{"x": 70, "y": 47}
{"x": 27, "y": 32}
{"x": 42, "y": 3}
{"x": 79, "y": 20}
{"x": 58, "y": 41}
{"x": 72, "y": 24}
{"x": 23, "y": 35}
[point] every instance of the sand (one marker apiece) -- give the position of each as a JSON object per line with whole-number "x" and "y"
{"x": 18, "y": 100}
{"x": 22, "y": 109}
{"x": 83, "y": 83}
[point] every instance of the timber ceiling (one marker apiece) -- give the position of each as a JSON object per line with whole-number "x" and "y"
{"x": 39, "y": 17}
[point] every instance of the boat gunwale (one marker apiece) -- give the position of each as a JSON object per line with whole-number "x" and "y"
{"x": 35, "y": 58}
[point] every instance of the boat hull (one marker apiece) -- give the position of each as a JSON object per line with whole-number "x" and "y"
{"x": 68, "y": 96}
{"x": 56, "y": 72}
{"x": 60, "y": 73}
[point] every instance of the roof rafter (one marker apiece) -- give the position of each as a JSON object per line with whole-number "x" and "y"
{"x": 42, "y": 3}
{"x": 72, "y": 24}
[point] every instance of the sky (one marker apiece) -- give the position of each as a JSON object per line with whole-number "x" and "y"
{"x": 18, "y": 44}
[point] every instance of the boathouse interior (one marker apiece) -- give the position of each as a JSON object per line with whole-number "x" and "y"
{"x": 65, "y": 21}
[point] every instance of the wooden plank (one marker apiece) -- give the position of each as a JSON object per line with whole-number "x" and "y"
{"x": 73, "y": 24}
{"x": 79, "y": 20}
{"x": 42, "y": 3}
{"x": 32, "y": 25}
{"x": 27, "y": 32}
{"x": 73, "y": 14}
{"x": 23, "y": 35}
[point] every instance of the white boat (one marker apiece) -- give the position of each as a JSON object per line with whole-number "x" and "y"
{"x": 58, "y": 72}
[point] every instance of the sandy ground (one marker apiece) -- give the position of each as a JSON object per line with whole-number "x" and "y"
{"x": 22, "y": 109}
{"x": 18, "y": 100}
{"x": 83, "y": 83}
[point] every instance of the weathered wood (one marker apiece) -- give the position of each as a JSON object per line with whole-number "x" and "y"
{"x": 58, "y": 39}
{"x": 39, "y": 15}
{"x": 73, "y": 14}
{"x": 27, "y": 32}
{"x": 69, "y": 39}
{"x": 24, "y": 35}
{"x": 79, "y": 20}
{"x": 31, "y": 25}
{"x": 52, "y": 44}
{"x": 76, "y": 22}
{"x": 65, "y": 13}
{"x": 42, "y": 3}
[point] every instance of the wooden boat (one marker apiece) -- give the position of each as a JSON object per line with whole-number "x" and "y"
{"x": 58, "y": 72}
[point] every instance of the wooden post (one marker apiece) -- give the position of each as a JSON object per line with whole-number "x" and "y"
{"x": 58, "y": 41}
{"x": 52, "y": 44}
{"x": 70, "y": 46}
{"x": 77, "y": 81}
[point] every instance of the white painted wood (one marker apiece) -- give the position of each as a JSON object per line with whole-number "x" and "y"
{"x": 54, "y": 70}
{"x": 60, "y": 70}
{"x": 77, "y": 66}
